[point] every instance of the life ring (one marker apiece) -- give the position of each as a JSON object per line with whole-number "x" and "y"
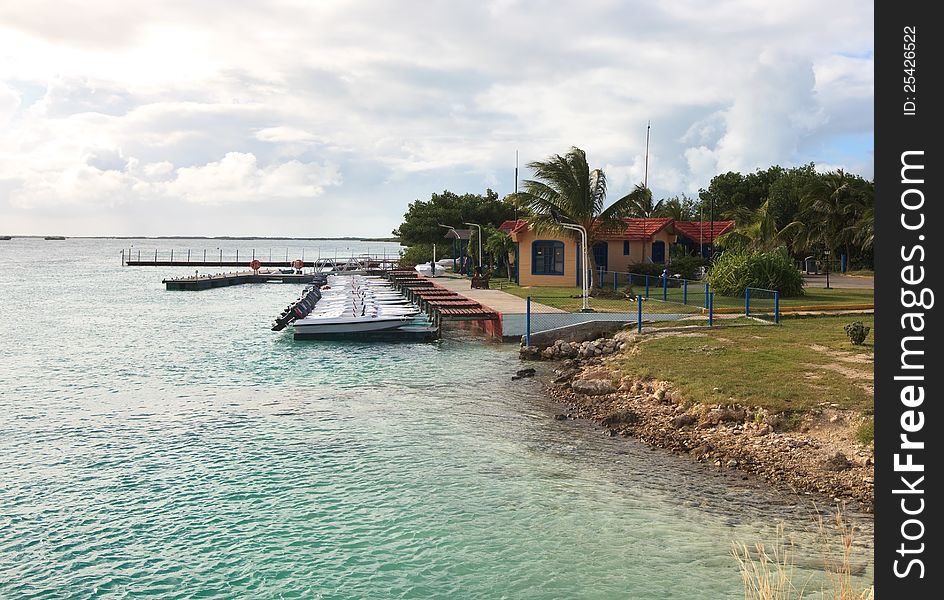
{"x": 298, "y": 263}
{"x": 255, "y": 265}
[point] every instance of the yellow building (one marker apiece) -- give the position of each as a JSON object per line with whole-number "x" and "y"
{"x": 553, "y": 259}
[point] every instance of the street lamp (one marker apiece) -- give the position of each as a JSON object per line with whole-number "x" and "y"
{"x": 453, "y": 229}
{"x": 826, "y": 254}
{"x": 584, "y": 279}
{"x": 480, "y": 240}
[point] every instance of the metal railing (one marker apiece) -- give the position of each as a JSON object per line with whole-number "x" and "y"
{"x": 760, "y": 303}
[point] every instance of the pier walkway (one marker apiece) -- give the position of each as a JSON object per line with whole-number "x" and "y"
{"x": 206, "y": 282}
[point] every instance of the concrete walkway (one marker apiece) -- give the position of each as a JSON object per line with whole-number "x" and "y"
{"x": 839, "y": 281}
{"x": 498, "y": 300}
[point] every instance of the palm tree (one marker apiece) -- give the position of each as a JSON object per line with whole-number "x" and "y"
{"x": 756, "y": 230}
{"x": 565, "y": 189}
{"x": 500, "y": 246}
{"x": 831, "y": 213}
{"x": 642, "y": 206}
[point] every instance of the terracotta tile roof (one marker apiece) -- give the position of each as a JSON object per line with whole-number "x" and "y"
{"x": 510, "y": 227}
{"x": 706, "y": 231}
{"x": 640, "y": 229}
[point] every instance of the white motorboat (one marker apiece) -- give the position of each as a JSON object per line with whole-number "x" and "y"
{"x": 348, "y": 324}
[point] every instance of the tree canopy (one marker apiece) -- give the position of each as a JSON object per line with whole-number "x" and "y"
{"x": 422, "y": 220}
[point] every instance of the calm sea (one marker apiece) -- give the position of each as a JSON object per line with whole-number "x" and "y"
{"x": 168, "y": 444}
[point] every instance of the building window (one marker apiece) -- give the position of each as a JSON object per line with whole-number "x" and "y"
{"x": 547, "y": 257}
{"x": 625, "y": 247}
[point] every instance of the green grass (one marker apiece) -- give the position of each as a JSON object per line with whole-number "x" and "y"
{"x": 772, "y": 367}
{"x": 568, "y": 298}
{"x": 865, "y": 434}
{"x": 861, "y": 273}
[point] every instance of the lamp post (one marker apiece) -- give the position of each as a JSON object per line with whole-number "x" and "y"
{"x": 480, "y": 240}
{"x": 826, "y": 254}
{"x": 453, "y": 230}
{"x": 584, "y": 279}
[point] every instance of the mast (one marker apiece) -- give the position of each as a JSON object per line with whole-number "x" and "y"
{"x": 645, "y": 181}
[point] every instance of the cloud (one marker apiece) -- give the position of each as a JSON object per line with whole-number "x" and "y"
{"x": 186, "y": 104}
{"x": 238, "y": 178}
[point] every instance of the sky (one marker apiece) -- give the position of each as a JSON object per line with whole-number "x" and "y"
{"x": 327, "y": 118}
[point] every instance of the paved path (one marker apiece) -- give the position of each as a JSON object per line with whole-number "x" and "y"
{"x": 839, "y": 282}
{"x": 503, "y": 302}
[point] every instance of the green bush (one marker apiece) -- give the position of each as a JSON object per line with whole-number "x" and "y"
{"x": 731, "y": 272}
{"x": 857, "y": 332}
{"x": 686, "y": 266}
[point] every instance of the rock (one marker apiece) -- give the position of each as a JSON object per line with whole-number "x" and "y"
{"x": 765, "y": 430}
{"x": 622, "y": 417}
{"x": 838, "y": 462}
{"x": 732, "y": 463}
{"x": 565, "y": 375}
{"x": 560, "y": 417}
{"x": 660, "y": 394}
{"x": 521, "y": 374}
{"x": 593, "y": 387}
{"x": 684, "y": 421}
{"x": 775, "y": 420}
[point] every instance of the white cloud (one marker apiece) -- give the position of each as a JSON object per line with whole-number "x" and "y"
{"x": 181, "y": 102}
{"x": 238, "y": 178}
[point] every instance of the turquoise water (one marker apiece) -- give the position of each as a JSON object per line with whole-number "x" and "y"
{"x": 168, "y": 444}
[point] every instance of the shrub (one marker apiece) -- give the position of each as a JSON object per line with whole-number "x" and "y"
{"x": 857, "y": 332}
{"x": 731, "y": 272}
{"x": 686, "y": 266}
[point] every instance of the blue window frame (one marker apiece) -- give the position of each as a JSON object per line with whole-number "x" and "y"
{"x": 625, "y": 247}
{"x": 547, "y": 257}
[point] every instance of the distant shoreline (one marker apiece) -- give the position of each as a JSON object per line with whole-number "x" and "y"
{"x": 203, "y": 237}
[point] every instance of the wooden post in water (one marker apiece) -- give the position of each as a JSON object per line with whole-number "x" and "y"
{"x": 171, "y": 255}
{"x": 188, "y": 254}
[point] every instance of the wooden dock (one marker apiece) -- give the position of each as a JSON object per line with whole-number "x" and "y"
{"x": 206, "y": 282}
{"x": 442, "y": 304}
{"x": 217, "y": 258}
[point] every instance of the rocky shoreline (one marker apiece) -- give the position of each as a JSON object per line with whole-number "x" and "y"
{"x": 819, "y": 455}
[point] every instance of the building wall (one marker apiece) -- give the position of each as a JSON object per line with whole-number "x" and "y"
{"x": 639, "y": 252}
{"x": 526, "y": 278}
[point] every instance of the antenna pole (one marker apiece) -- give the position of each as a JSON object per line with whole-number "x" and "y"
{"x": 645, "y": 181}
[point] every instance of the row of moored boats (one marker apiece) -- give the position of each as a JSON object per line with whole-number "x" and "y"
{"x": 356, "y": 304}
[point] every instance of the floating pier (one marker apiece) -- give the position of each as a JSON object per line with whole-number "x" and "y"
{"x": 206, "y": 282}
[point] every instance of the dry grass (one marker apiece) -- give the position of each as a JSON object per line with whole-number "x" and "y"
{"x": 769, "y": 574}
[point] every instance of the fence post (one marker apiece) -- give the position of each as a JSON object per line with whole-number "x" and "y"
{"x": 639, "y": 313}
{"x": 647, "y": 285}
{"x": 665, "y": 287}
{"x": 155, "y": 255}
{"x": 684, "y": 291}
{"x": 527, "y": 323}
{"x": 711, "y": 309}
{"x": 188, "y": 254}
{"x": 615, "y": 280}
{"x": 171, "y": 255}
{"x": 776, "y": 307}
{"x": 237, "y": 254}
{"x": 747, "y": 302}
{"x": 706, "y": 295}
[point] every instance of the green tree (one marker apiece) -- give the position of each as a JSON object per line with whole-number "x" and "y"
{"x": 680, "y": 208}
{"x": 833, "y": 213}
{"x": 500, "y": 246}
{"x": 565, "y": 188}
{"x": 421, "y": 222}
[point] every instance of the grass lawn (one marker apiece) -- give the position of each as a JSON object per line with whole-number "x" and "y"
{"x": 568, "y": 298}
{"x": 793, "y": 367}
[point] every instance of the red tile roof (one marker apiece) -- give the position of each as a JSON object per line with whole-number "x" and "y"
{"x": 513, "y": 226}
{"x": 640, "y": 229}
{"x": 706, "y": 231}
